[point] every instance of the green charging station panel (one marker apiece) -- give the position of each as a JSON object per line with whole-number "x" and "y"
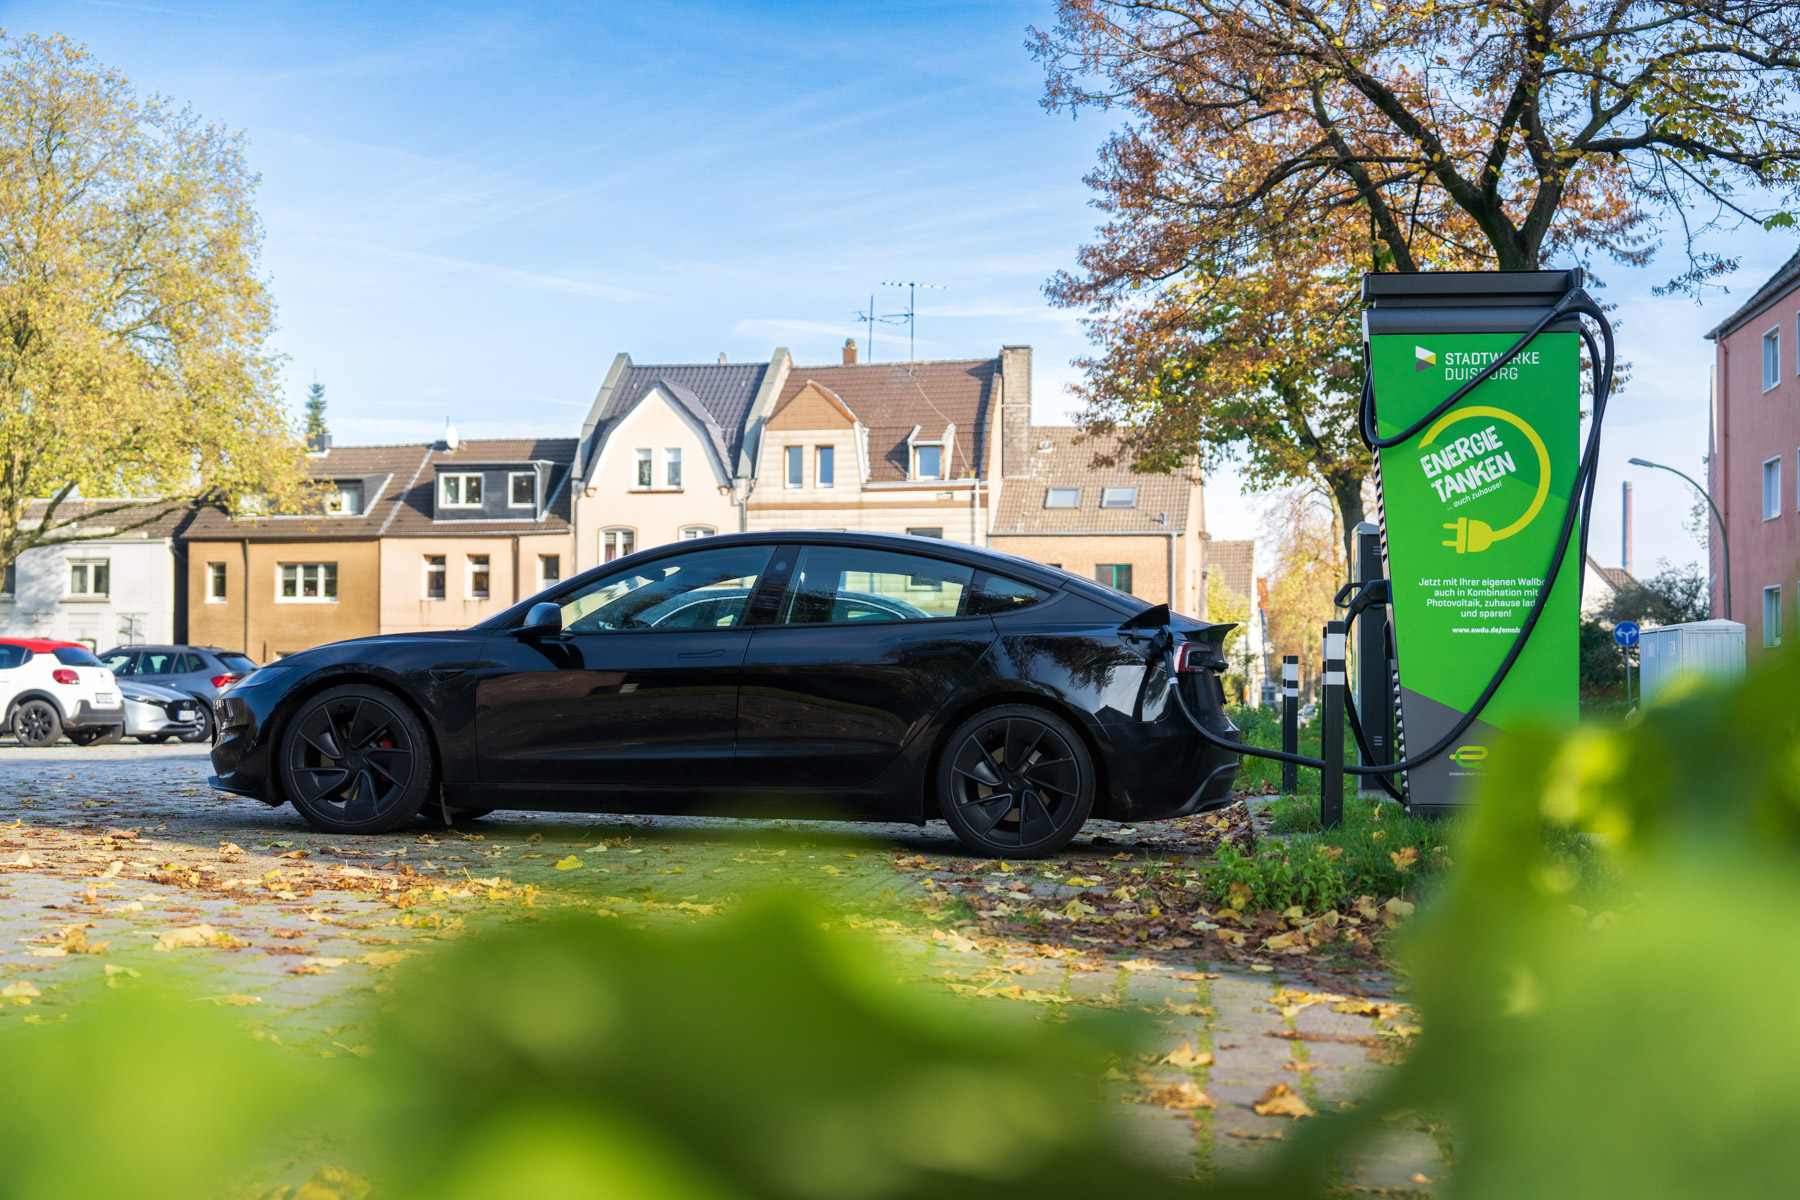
{"x": 1472, "y": 506}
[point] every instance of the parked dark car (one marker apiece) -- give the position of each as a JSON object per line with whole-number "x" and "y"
{"x": 203, "y": 672}
{"x": 841, "y": 675}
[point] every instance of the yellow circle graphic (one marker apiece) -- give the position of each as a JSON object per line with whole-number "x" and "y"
{"x": 1537, "y": 443}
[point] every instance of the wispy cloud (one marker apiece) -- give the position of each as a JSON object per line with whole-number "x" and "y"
{"x": 511, "y": 275}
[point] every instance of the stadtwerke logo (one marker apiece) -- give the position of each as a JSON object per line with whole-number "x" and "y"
{"x": 1423, "y": 358}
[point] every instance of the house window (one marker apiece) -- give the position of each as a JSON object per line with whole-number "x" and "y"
{"x": 91, "y": 579}
{"x": 1118, "y": 497}
{"x": 549, "y": 570}
{"x": 690, "y": 532}
{"x": 1771, "y": 358}
{"x": 459, "y": 491}
{"x": 796, "y": 466}
{"x": 479, "y": 577}
{"x": 645, "y": 469}
{"x": 825, "y": 466}
{"x": 1772, "y": 616}
{"x": 1771, "y": 489}
{"x": 346, "y": 499}
{"x": 1114, "y": 575}
{"x": 9, "y": 581}
{"x": 215, "y": 583}
{"x": 930, "y": 533}
{"x": 521, "y": 489}
{"x": 616, "y": 543}
{"x": 1062, "y": 497}
{"x": 307, "y": 583}
{"x": 928, "y": 462}
{"x": 672, "y": 467}
{"x": 435, "y": 577}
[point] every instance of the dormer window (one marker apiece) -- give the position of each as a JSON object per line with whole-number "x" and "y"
{"x": 521, "y": 489}
{"x": 459, "y": 491}
{"x": 346, "y": 498}
{"x": 928, "y": 462}
{"x": 1118, "y": 497}
{"x": 1062, "y": 497}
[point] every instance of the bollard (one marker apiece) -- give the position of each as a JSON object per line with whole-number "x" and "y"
{"x": 1290, "y": 721}
{"x": 1331, "y": 729}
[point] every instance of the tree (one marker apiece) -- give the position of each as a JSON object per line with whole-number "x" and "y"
{"x": 133, "y": 326}
{"x": 1226, "y": 606}
{"x": 1277, "y": 148}
{"x": 315, "y": 431}
{"x": 1669, "y": 597}
{"x": 1301, "y": 526}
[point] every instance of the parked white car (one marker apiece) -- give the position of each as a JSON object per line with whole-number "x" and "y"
{"x": 154, "y": 714}
{"x": 48, "y": 689}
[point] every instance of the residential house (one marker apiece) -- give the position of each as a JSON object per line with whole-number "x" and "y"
{"x": 413, "y": 537}
{"x": 1753, "y": 470}
{"x": 888, "y": 447}
{"x": 1600, "y": 584}
{"x": 661, "y": 455}
{"x": 1141, "y": 533}
{"x": 114, "y": 590}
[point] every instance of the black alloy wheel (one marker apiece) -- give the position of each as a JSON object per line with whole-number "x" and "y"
{"x": 356, "y": 760}
{"x": 37, "y": 723}
{"x": 1015, "y": 782}
{"x": 202, "y": 732}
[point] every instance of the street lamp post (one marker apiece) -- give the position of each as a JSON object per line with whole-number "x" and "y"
{"x": 1724, "y": 541}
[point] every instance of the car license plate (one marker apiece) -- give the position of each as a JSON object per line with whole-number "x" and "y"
{"x": 106, "y": 699}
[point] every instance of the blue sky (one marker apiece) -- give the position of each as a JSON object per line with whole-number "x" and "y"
{"x": 471, "y": 208}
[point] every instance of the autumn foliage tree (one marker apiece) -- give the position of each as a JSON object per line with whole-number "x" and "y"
{"x": 1274, "y": 150}
{"x": 135, "y": 377}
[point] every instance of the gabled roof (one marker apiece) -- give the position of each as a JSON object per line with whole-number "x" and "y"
{"x": 1062, "y": 457}
{"x": 1776, "y": 286}
{"x": 723, "y": 391}
{"x": 161, "y": 525}
{"x": 1615, "y": 577}
{"x": 892, "y": 398}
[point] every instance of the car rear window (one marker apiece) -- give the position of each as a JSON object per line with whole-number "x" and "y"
{"x": 997, "y": 594}
{"x": 13, "y": 656}
{"x": 237, "y": 662}
{"x": 75, "y": 656}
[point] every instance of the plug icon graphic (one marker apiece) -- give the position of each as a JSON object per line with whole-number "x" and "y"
{"x": 1472, "y": 536}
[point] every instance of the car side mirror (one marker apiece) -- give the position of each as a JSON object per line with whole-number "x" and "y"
{"x": 543, "y": 620}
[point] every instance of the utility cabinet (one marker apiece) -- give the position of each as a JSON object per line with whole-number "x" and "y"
{"x": 1712, "y": 650}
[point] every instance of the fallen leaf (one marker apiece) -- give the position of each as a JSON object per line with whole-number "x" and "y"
{"x": 567, "y": 864}
{"x": 383, "y": 958}
{"x": 112, "y": 868}
{"x": 116, "y": 969}
{"x": 1404, "y": 858}
{"x": 1398, "y": 907}
{"x": 187, "y": 935}
{"x": 24, "y": 860}
{"x": 1140, "y": 964}
{"x": 1187, "y": 1057}
{"x": 1282, "y": 1101}
{"x": 23, "y": 988}
{"x": 236, "y": 1000}
{"x": 1185, "y": 1094}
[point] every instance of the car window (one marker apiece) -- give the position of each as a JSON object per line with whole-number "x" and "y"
{"x": 661, "y": 593}
{"x": 192, "y": 664}
{"x": 237, "y": 662}
{"x": 835, "y": 584}
{"x": 998, "y": 594}
{"x": 75, "y": 656}
{"x": 13, "y": 656}
{"x": 119, "y": 663}
{"x": 157, "y": 662}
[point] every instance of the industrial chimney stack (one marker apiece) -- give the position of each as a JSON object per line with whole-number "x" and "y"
{"x": 1625, "y": 537}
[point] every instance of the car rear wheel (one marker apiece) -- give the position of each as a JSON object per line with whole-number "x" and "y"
{"x": 37, "y": 723}
{"x": 1015, "y": 782}
{"x": 356, "y": 760}
{"x": 203, "y": 733}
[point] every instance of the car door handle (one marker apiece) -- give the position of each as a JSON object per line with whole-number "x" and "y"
{"x": 700, "y": 654}
{"x": 923, "y": 652}
{"x": 442, "y": 673}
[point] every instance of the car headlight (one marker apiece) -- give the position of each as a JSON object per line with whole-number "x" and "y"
{"x": 260, "y": 675}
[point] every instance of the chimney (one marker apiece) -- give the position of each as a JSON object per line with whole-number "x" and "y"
{"x": 1625, "y": 533}
{"x": 721, "y": 358}
{"x": 1015, "y": 411}
{"x": 849, "y": 352}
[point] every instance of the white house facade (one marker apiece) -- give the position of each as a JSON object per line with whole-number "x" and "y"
{"x": 103, "y": 592}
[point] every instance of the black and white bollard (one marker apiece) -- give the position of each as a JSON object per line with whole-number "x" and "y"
{"x": 1331, "y": 729}
{"x": 1290, "y": 721}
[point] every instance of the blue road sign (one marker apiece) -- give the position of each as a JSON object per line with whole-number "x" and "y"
{"x": 1626, "y": 633}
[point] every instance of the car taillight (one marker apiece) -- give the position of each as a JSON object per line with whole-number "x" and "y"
{"x": 1193, "y": 657}
{"x": 65, "y": 676}
{"x": 220, "y": 681}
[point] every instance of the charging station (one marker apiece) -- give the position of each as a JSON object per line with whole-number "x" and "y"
{"x": 1471, "y": 505}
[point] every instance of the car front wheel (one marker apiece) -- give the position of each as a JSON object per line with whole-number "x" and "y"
{"x": 37, "y": 723}
{"x": 1015, "y": 782}
{"x": 203, "y": 733}
{"x": 356, "y": 760}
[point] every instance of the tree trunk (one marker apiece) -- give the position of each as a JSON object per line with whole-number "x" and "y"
{"x": 1347, "y": 495}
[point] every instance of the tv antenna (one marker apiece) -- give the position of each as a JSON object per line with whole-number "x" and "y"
{"x": 871, "y": 318}
{"x": 912, "y": 310}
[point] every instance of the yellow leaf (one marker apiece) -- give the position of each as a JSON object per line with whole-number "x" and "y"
{"x": 1404, "y": 858}
{"x": 187, "y": 935}
{"x": 23, "y": 987}
{"x": 1185, "y": 1094}
{"x": 236, "y": 1000}
{"x": 1187, "y": 1057}
{"x": 1282, "y": 1101}
{"x": 116, "y": 969}
{"x": 567, "y": 864}
{"x": 1398, "y": 907}
{"x": 1140, "y": 964}
{"x": 383, "y": 958}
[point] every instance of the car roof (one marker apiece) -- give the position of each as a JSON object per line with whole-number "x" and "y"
{"x": 135, "y": 649}
{"x": 40, "y": 645}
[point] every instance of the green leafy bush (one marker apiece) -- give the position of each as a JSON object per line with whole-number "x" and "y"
{"x": 1276, "y": 879}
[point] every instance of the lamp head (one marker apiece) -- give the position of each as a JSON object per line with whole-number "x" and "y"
{"x": 1640, "y": 462}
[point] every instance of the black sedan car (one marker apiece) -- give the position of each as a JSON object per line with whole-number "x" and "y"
{"x": 812, "y": 674}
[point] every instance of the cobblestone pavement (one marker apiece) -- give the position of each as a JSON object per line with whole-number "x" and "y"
{"x": 121, "y": 864}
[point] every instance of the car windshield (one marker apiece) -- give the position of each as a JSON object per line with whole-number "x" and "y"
{"x": 660, "y": 592}
{"x": 75, "y": 656}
